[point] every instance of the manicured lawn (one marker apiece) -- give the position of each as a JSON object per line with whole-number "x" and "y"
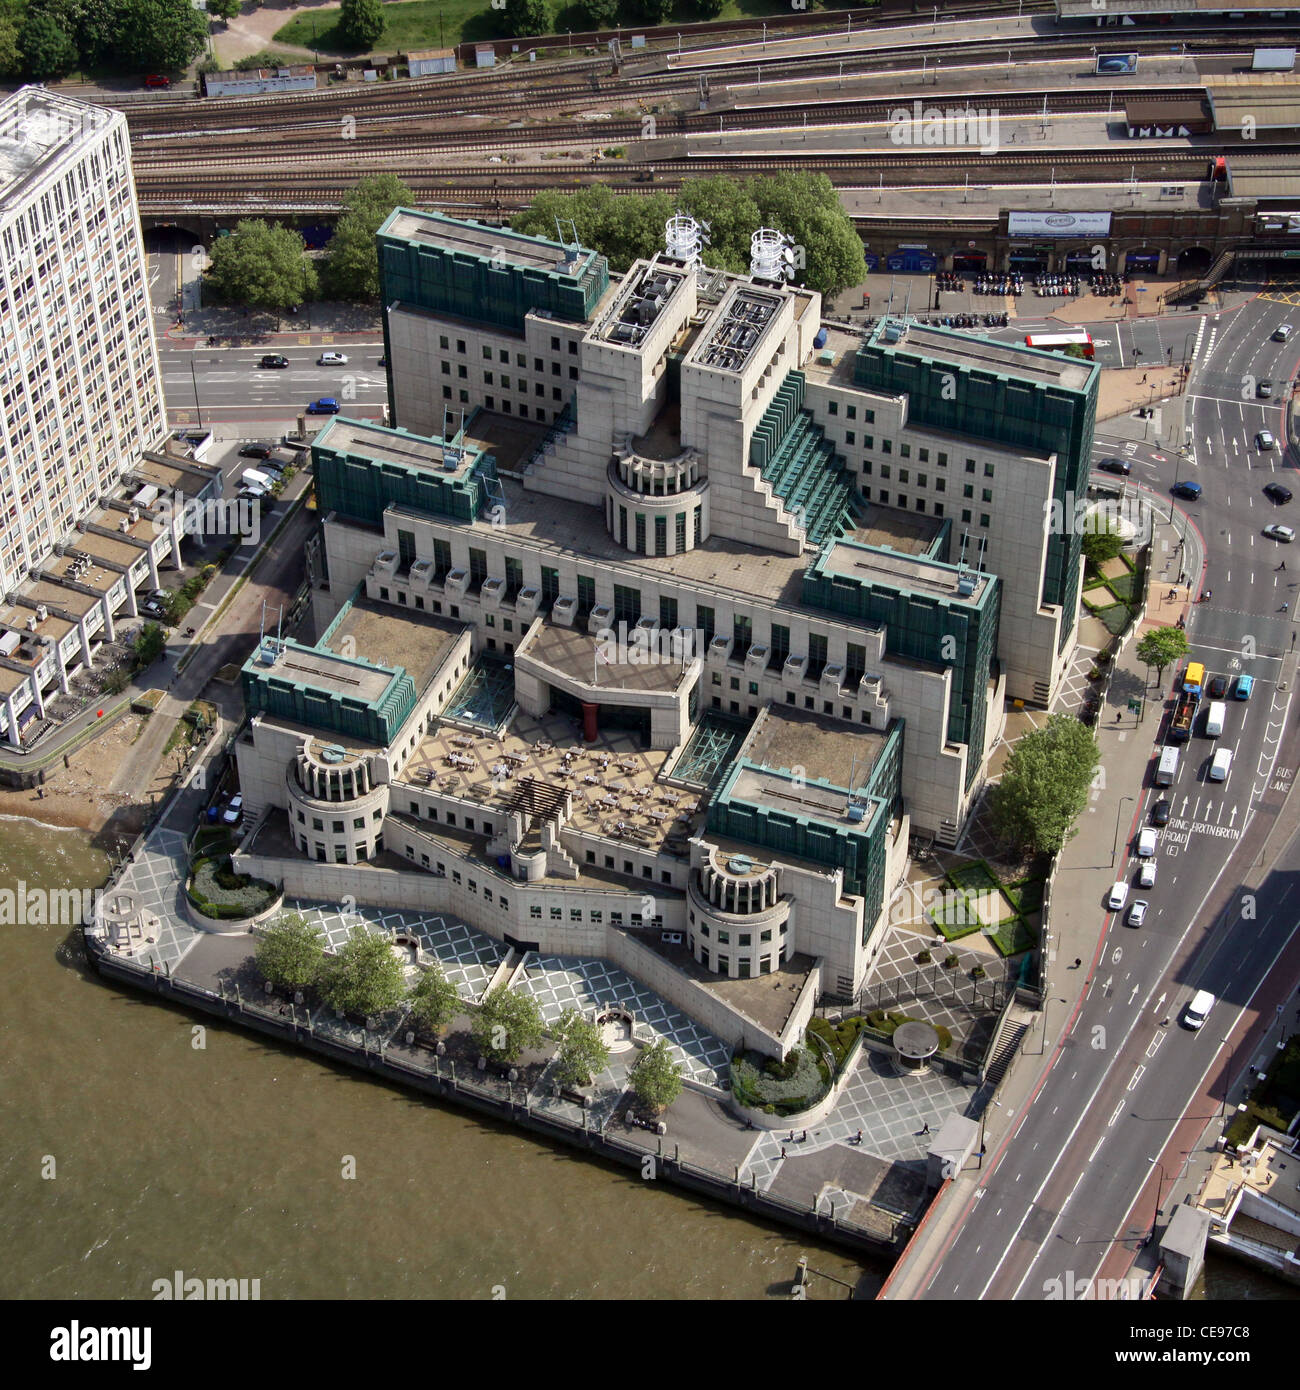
{"x": 416, "y": 23}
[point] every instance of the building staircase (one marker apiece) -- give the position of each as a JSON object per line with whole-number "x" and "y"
{"x": 799, "y": 468}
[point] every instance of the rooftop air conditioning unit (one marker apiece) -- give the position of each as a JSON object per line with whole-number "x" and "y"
{"x": 41, "y": 612}
{"x": 564, "y": 610}
{"x": 600, "y": 618}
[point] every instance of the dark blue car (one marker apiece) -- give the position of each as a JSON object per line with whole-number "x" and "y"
{"x": 327, "y": 405}
{"x": 1189, "y": 490}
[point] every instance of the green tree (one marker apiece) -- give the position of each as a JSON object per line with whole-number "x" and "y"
{"x": 1075, "y": 350}
{"x": 262, "y": 266}
{"x": 808, "y": 209}
{"x": 1102, "y": 542}
{"x": 148, "y": 646}
{"x": 601, "y": 14}
{"x": 527, "y": 18}
{"x": 157, "y": 35}
{"x": 11, "y": 57}
{"x": 732, "y": 215}
{"x": 655, "y": 11}
{"x": 657, "y": 1079}
{"x": 1162, "y": 647}
{"x": 582, "y": 1053}
{"x": 365, "y": 977}
{"x": 352, "y": 261}
{"x": 223, "y": 9}
{"x": 434, "y": 1000}
{"x": 48, "y": 52}
{"x": 1045, "y": 784}
{"x": 361, "y": 22}
{"x": 710, "y": 9}
{"x": 291, "y": 952}
{"x": 505, "y": 1024}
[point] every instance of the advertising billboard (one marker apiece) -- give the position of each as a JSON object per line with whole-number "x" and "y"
{"x": 1058, "y": 223}
{"x": 1122, "y": 63}
{"x": 1272, "y": 60}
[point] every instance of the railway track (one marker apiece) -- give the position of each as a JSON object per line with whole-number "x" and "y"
{"x": 491, "y": 185}
{"x": 473, "y": 97}
{"x": 307, "y": 148}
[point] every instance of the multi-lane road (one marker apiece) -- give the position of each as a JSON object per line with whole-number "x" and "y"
{"x": 1075, "y": 1188}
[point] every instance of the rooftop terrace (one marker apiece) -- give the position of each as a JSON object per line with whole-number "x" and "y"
{"x": 367, "y": 440}
{"x": 488, "y": 243}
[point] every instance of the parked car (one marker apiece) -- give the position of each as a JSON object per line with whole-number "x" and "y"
{"x": 1186, "y": 489}
{"x": 1275, "y": 492}
{"x": 327, "y": 405}
{"x": 255, "y": 451}
{"x": 1264, "y": 441}
{"x": 1137, "y": 914}
{"x": 1264, "y": 388}
{"x": 273, "y": 359}
{"x": 1280, "y": 533}
{"x": 157, "y": 80}
{"x": 1160, "y": 812}
{"x": 234, "y": 809}
{"x": 1114, "y": 465}
{"x": 1217, "y": 688}
{"x": 332, "y": 359}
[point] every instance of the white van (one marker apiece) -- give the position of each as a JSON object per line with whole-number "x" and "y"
{"x": 1214, "y": 717}
{"x": 1118, "y": 896}
{"x": 1167, "y": 768}
{"x": 1147, "y": 843}
{"x": 254, "y": 477}
{"x": 1199, "y": 1009}
{"x": 1221, "y": 766}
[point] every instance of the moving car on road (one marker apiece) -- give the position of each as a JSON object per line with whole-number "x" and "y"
{"x": 1114, "y": 465}
{"x": 1147, "y": 874}
{"x": 1282, "y": 333}
{"x": 1264, "y": 388}
{"x": 327, "y": 405}
{"x": 1160, "y": 812}
{"x": 332, "y": 359}
{"x": 1118, "y": 896}
{"x": 273, "y": 359}
{"x": 1275, "y": 492}
{"x": 1264, "y": 441}
{"x": 1217, "y": 688}
{"x": 1221, "y": 766}
{"x": 1285, "y": 534}
{"x": 1137, "y": 914}
{"x": 1187, "y": 489}
{"x": 1199, "y": 1008}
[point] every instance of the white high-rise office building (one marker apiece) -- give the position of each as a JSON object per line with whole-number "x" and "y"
{"x": 80, "y": 387}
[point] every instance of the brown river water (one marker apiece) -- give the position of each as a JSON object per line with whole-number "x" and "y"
{"x": 130, "y": 1154}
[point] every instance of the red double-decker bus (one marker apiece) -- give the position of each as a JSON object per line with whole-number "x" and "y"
{"x": 1059, "y": 342}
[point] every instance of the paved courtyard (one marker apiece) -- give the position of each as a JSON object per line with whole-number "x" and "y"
{"x": 567, "y": 982}
{"x": 890, "y": 1110}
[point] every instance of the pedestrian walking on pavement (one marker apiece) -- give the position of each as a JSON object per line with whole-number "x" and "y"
{"x": 1078, "y": 961}
{"x": 782, "y": 1150}
{"x": 859, "y": 1136}
{"x": 925, "y": 1128}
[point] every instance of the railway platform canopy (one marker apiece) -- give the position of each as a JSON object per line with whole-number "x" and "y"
{"x": 1139, "y": 9}
{"x": 1245, "y": 108}
{"x": 1268, "y": 181}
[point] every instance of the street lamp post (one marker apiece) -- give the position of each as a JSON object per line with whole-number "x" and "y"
{"x": 194, "y": 378}
{"x": 1114, "y": 845}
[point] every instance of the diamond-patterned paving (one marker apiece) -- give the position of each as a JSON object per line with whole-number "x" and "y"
{"x": 468, "y": 958}
{"x": 567, "y": 982}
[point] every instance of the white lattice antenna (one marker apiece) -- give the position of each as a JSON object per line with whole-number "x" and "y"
{"x": 771, "y": 255}
{"x": 685, "y": 239}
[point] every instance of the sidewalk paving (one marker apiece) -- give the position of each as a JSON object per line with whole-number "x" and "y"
{"x": 1077, "y": 919}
